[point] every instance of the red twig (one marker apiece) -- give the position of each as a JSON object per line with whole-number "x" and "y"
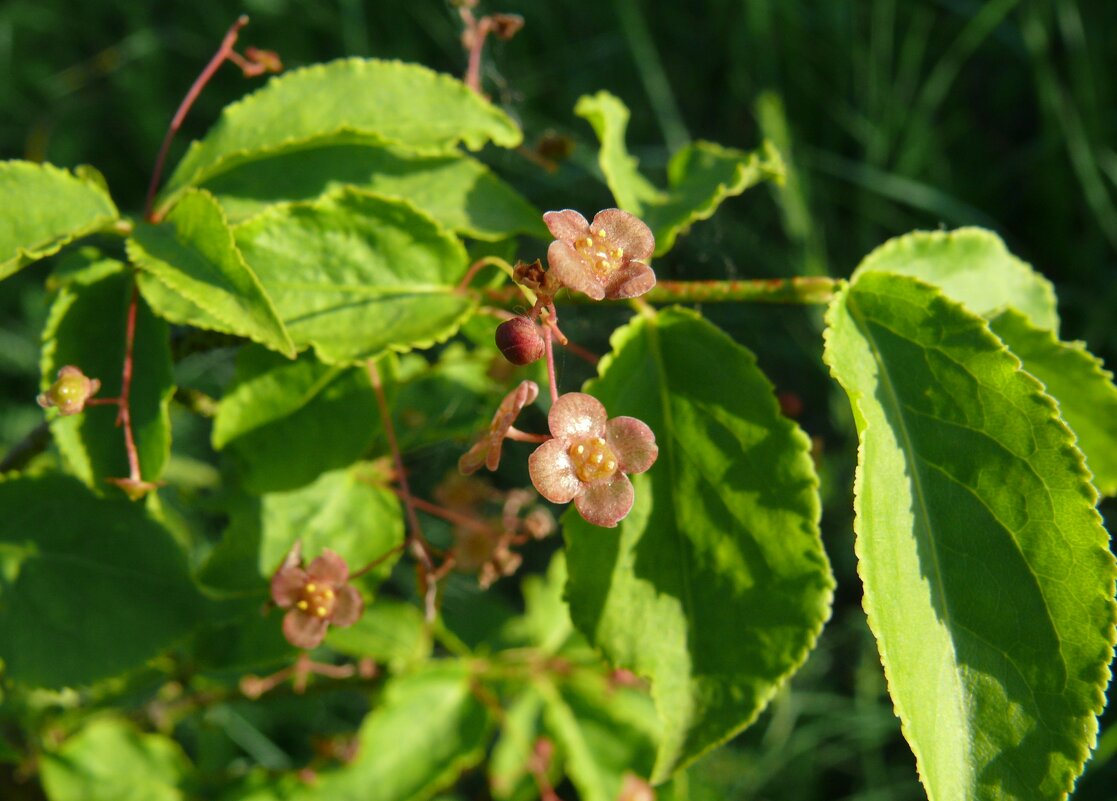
{"x": 124, "y": 414}
{"x": 465, "y": 521}
{"x": 176, "y": 122}
{"x": 548, "y": 335}
{"x": 417, "y": 542}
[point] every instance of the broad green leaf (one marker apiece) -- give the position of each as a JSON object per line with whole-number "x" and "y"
{"x": 1078, "y": 381}
{"x": 545, "y": 623}
{"x": 111, "y": 760}
{"x": 391, "y": 632}
{"x": 339, "y": 511}
{"x": 46, "y": 207}
{"x": 86, "y": 328}
{"x": 192, "y": 253}
{"x": 608, "y": 116}
{"x": 988, "y": 581}
{"x": 285, "y": 422}
{"x": 354, "y": 274}
{"x": 427, "y": 729}
{"x": 96, "y": 586}
{"x": 971, "y": 266}
{"x": 700, "y": 176}
{"x": 716, "y": 584}
{"x": 603, "y": 732}
{"x": 388, "y": 100}
{"x": 461, "y": 193}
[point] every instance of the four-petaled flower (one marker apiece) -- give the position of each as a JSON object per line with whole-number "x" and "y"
{"x": 315, "y": 597}
{"x": 589, "y": 456}
{"x": 605, "y": 259}
{"x": 487, "y": 451}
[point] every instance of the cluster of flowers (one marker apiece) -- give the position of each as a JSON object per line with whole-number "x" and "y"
{"x": 588, "y": 456}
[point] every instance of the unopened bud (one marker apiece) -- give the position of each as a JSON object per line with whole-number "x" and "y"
{"x": 519, "y": 340}
{"x": 70, "y": 392}
{"x": 505, "y": 26}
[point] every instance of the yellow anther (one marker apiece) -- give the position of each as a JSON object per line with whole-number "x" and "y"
{"x": 598, "y": 458}
{"x": 327, "y": 593}
{"x": 302, "y": 605}
{"x": 579, "y": 449}
{"x": 602, "y": 265}
{"x": 618, "y": 253}
{"x": 587, "y": 242}
{"x": 321, "y": 611}
{"x": 611, "y": 465}
{"x": 311, "y": 587}
{"x": 601, "y": 233}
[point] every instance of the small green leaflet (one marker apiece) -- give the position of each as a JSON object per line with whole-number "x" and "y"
{"x": 192, "y": 253}
{"x": 716, "y": 585}
{"x": 46, "y": 207}
{"x": 355, "y": 274}
{"x": 86, "y": 328}
{"x": 388, "y": 100}
{"x": 988, "y": 581}
{"x": 700, "y": 176}
{"x": 93, "y": 587}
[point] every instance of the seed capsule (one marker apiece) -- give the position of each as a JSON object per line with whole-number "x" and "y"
{"x": 519, "y": 340}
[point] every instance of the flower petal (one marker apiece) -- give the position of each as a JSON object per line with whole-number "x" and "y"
{"x": 606, "y": 504}
{"x": 626, "y": 231}
{"x": 303, "y": 630}
{"x": 348, "y": 606}
{"x": 568, "y": 269}
{"x": 329, "y": 568}
{"x": 287, "y": 585}
{"x": 631, "y": 281}
{"x": 566, "y": 225}
{"x": 576, "y": 415}
{"x": 632, "y": 442}
{"x": 552, "y": 472}
{"x": 472, "y": 460}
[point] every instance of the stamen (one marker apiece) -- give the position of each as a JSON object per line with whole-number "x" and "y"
{"x": 321, "y": 611}
{"x": 302, "y": 605}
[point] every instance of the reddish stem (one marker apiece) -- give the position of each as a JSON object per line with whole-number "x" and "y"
{"x": 417, "y": 542}
{"x": 124, "y": 415}
{"x": 515, "y": 434}
{"x": 176, "y": 122}
{"x": 465, "y": 521}
{"x": 480, "y": 31}
{"x": 582, "y": 353}
{"x": 549, "y": 349}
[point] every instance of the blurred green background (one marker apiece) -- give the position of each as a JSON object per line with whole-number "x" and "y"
{"x": 893, "y": 116}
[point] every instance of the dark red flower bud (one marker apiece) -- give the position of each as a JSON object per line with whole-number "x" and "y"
{"x": 519, "y": 340}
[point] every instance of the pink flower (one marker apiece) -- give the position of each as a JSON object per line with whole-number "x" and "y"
{"x": 588, "y": 457}
{"x": 605, "y": 259}
{"x": 487, "y": 451}
{"x": 315, "y": 597}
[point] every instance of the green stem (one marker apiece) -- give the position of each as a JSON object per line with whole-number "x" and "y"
{"x": 807, "y": 290}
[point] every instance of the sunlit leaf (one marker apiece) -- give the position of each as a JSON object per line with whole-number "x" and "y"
{"x": 988, "y": 581}
{"x": 388, "y": 100}
{"x": 354, "y": 274}
{"x": 716, "y": 585}
{"x": 45, "y": 207}
{"x": 192, "y": 253}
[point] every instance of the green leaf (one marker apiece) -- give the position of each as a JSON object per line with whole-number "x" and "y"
{"x": 988, "y": 581}
{"x": 461, "y": 193}
{"x": 428, "y": 728}
{"x": 285, "y": 423}
{"x": 973, "y": 267}
{"x": 360, "y": 522}
{"x": 510, "y": 778}
{"x": 604, "y": 732}
{"x": 111, "y": 760}
{"x": 716, "y": 584}
{"x": 193, "y": 254}
{"x": 385, "y": 100}
{"x": 700, "y": 176}
{"x": 390, "y": 632}
{"x": 46, "y": 207}
{"x": 1077, "y": 380}
{"x": 86, "y": 328}
{"x": 98, "y": 586}
{"x": 608, "y": 116}
{"x": 354, "y": 274}
{"x": 545, "y": 623}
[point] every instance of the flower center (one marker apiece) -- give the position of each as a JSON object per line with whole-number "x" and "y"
{"x": 317, "y": 600}
{"x": 595, "y": 252}
{"x": 593, "y": 460}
